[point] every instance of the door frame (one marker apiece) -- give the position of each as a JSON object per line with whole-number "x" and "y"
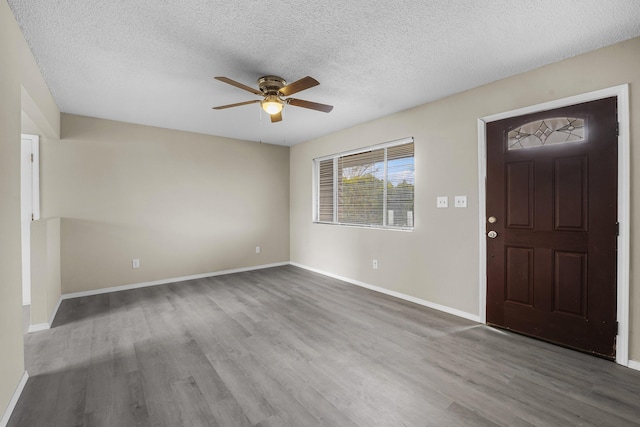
{"x": 621, "y": 92}
{"x": 29, "y": 190}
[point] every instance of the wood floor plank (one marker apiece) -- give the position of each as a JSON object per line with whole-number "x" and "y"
{"x": 228, "y": 412}
{"x": 245, "y": 391}
{"x": 194, "y": 409}
{"x": 300, "y": 379}
{"x": 287, "y": 347}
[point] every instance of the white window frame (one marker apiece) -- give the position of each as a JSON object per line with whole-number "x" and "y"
{"x": 335, "y": 157}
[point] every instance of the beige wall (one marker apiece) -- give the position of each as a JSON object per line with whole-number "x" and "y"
{"x": 11, "y": 345}
{"x": 45, "y": 269}
{"x": 182, "y": 203}
{"x": 438, "y": 261}
{"x": 40, "y": 114}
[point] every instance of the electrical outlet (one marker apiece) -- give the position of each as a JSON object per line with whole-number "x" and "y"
{"x": 257, "y": 249}
{"x": 442, "y": 202}
{"x": 460, "y": 201}
{"x": 135, "y": 263}
{"x": 375, "y": 264}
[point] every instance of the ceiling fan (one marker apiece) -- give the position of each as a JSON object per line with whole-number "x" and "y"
{"x": 274, "y": 89}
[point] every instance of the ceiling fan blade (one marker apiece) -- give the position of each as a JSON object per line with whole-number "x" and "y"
{"x": 276, "y": 117}
{"x": 222, "y": 107}
{"x": 239, "y": 85}
{"x": 311, "y": 105}
{"x": 300, "y": 85}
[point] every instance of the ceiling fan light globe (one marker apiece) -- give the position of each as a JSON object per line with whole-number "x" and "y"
{"x": 272, "y": 105}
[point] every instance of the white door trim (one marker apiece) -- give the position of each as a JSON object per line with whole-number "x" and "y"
{"x": 35, "y": 173}
{"x": 30, "y": 204}
{"x": 624, "y": 202}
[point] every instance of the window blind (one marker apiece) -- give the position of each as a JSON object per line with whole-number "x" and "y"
{"x": 326, "y": 193}
{"x": 400, "y": 185}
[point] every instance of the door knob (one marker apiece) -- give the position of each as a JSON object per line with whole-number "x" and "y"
{"x": 492, "y": 220}
{"x": 492, "y": 234}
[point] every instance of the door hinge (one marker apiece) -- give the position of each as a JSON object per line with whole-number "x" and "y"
{"x": 31, "y": 157}
{"x": 31, "y": 217}
{"x": 617, "y": 228}
{"x": 616, "y": 327}
{"x": 617, "y": 128}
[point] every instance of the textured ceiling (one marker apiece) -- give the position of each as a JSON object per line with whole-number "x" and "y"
{"x": 152, "y": 62}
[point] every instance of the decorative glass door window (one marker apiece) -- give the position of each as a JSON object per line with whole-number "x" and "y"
{"x": 556, "y": 130}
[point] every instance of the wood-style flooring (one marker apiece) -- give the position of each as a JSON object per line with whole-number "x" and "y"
{"x": 287, "y": 347}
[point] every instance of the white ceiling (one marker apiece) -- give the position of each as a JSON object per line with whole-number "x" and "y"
{"x": 153, "y": 62}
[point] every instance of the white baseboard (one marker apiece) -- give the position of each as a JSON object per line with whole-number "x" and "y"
{"x": 634, "y": 365}
{"x": 14, "y": 400}
{"x": 44, "y": 326}
{"x": 166, "y": 281}
{"x": 39, "y": 327}
{"x": 435, "y": 306}
{"x": 55, "y": 311}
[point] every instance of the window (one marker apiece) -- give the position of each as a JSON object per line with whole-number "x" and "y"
{"x": 371, "y": 187}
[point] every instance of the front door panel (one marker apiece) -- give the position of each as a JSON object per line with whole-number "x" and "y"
{"x": 552, "y": 189}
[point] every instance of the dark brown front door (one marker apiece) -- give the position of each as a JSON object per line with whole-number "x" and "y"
{"x": 552, "y": 204}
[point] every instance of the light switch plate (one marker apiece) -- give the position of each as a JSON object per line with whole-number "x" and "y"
{"x": 461, "y": 201}
{"x": 442, "y": 202}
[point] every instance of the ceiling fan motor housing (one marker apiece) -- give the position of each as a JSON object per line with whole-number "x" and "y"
{"x": 270, "y": 85}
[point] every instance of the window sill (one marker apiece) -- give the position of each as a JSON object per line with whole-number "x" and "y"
{"x": 369, "y": 227}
